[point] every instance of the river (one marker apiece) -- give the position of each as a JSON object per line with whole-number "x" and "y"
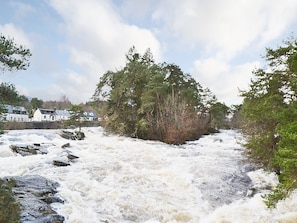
{"x": 119, "y": 179}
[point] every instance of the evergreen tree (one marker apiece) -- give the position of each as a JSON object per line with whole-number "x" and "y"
{"x": 218, "y": 113}
{"x": 76, "y": 116}
{"x": 146, "y": 100}
{"x": 270, "y": 111}
{"x": 9, "y": 94}
{"x": 13, "y": 56}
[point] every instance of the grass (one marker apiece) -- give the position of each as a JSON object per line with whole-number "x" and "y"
{"x": 9, "y": 208}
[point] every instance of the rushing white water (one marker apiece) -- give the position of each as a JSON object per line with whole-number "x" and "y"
{"x": 119, "y": 179}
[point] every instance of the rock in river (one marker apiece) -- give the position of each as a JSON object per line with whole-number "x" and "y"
{"x": 36, "y": 194}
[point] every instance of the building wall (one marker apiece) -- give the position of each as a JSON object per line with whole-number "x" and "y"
{"x": 39, "y": 117}
{"x": 14, "y": 114}
{"x": 17, "y": 118}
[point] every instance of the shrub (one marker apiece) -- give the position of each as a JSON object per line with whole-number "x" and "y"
{"x": 9, "y": 208}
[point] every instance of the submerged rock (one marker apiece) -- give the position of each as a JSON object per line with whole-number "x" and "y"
{"x": 27, "y": 150}
{"x": 61, "y": 162}
{"x": 67, "y": 135}
{"x": 36, "y": 194}
{"x": 72, "y": 157}
{"x": 77, "y": 135}
{"x": 66, "y": 145}
{"x": 24, "y": 150}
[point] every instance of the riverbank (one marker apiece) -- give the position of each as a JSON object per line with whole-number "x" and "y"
{"x": 44, "y": 125}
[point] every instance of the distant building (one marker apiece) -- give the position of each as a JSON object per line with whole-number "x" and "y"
{"x": 90, "y": 116}
{"x": 53, "y": 115}
{"x": 50, "y": 115}
{"x": 62, "y": 115}
{"x": 44, "y": 115}
{"x": 15, "y": 114}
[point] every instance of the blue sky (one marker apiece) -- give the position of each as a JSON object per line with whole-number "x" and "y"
{"x": 74, "y": 42}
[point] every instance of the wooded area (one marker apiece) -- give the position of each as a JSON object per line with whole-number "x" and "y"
{"x": 154, "y": 101}
{"x": 270, "y": 111}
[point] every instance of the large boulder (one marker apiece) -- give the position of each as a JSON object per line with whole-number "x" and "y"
{"x": 27, "y": 150}
{"x": 36, "y": 194}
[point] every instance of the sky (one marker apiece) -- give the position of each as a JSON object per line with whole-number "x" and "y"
{"x": 73, "y": 42}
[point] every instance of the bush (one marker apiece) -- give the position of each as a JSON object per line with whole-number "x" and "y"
{"x": 9, "y": 208}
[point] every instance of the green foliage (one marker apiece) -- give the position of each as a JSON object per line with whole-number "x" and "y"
{"x": 270, "y": 109}
{"x": 36, "y": 103}
{"x": 146, "y": 100}
{"x": 8, "y": 94}
{"x": 12, "y": 56}
{"x": 76, "y": 116}
{"x": 219, "y": 113}
{"x": 279, "y": 193}
{"x": 9, "y": 208}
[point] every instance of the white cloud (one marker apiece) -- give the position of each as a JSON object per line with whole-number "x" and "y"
{"x": 223, "y": 79}
{"x": 97, "y": 40}
{"x": 95, "y": 27}
{"x": 226, "y": 27}
{"x": 229, "y": 36}
{"x": 21, "y": 9}
{"x": 18, "y": 35}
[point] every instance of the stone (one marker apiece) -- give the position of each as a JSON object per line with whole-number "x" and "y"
{"x": 66, "y": 145}
{"x": 61, "y": 163}
{"x": 72, "y": 157}
{"x": 80, "y": 135}
{"x": 77, "y": 135}
{"x": 24, "y": 150}
{"x": 36, "y": 194}
{"x": 28, "y": 150}
{"x": 67, "y": 135}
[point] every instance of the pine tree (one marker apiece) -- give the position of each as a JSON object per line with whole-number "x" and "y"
{"x": 270, "y": 111}
{"x": 151, "y": 101}
{"x": 13, "y": 56}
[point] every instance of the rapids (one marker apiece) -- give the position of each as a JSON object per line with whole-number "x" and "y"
{"x": 119, "y": 179}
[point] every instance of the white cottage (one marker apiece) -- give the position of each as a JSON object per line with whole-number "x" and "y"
{"x": 44, "y": 115}
{"x": 15, "y": 114}
{"x": 62, "y": 115}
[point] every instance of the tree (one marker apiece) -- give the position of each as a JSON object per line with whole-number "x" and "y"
{"x": 218, "y": 113}
{"x": 124, "y": 98}
{"x": 269, "y": 109}
{"x": 36, "y": 103}
{"x": 8, "y": 94}
{"x": 13, "y": 56}
{"x": 146, "y": 100}
{"x": 76, "y": 116}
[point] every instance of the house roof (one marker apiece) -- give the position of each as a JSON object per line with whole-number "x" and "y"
{"x": 45, "y": 111}
{"x": 62, "y": 113}
{"x": 15, "y": 109}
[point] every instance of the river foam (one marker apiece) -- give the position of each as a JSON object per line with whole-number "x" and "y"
{"x": 119, "y": 179}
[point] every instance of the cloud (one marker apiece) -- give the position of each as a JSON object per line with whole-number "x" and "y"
{"x": 9, "y": 30}
{"x": 94, "y": 26}
{"x": 21, "y": 10}
{"x": 227, "y": 35}
{"x": 226, "y": 27}
{"x": 224, "y": 80}
{"x": 97, "y": 40}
